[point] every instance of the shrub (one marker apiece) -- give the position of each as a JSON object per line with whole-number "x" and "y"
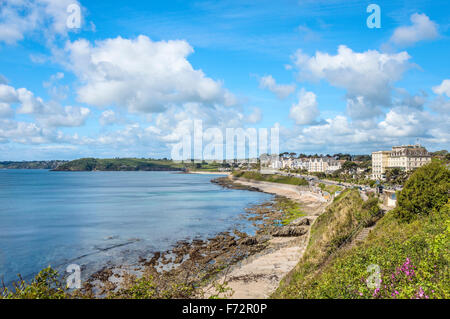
{"x": 45, "y": 285}
{"x": 425, "y": 192}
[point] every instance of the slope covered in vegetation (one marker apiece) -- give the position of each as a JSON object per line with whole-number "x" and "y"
{"x": 271, "y": 178}
{"x": 405, "y": 256}
{"x": 31, "y": 164}
{"x": 119, "y": 164}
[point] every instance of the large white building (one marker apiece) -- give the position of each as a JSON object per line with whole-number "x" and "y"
{"x": 321, "y": 164}
{"x": 380, "y": 162}
{"x": 407, "y": 157}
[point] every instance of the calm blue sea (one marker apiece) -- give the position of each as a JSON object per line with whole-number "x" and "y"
{"x": 105, "y": 218}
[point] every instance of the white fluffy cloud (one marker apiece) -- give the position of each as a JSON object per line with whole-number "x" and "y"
{"x": 305, "y": 111}
{"x": 7, "y": 94}
{"x": 108, "y": 117}
{"x": 66, "y": 116}
{"x": 168, "y": 128}
{"x": 440, "y": 105}
{"x": 5, "y": 110}
{"x": 443, "y": 88}
{"x": 21, "y": 17}
{"x": 401, "y": 125}
{"x": 359, "y": 109}
{"x": 402, "y": 122}
{"x": 338, "y": 126}
{"x": 367, "y": 76}
{"x": 141, "y": 75}
{"x": 255, "y": 116}
{"x": 25, "y": 132}
{"x": 281, "y": 90}
{"x": 26, "y": 99}
{"x": 49, "y": 114}
{"x": 416, "y": 101}
{"x": 422, "y": 28}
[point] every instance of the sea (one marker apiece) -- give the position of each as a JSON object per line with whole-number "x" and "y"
{"x": 104, "y": 219}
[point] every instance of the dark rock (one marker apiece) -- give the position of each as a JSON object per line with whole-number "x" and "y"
{"x": 303, "y": 221}
{"x": 249, "y": 241}
{"x": 290, "y": 231}
{"x": 239, "y": 234}
{"x": 263, "y": 238}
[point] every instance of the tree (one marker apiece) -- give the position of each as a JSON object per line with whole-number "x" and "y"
{"x": 396, "y": 175}
{"x": 349, "y": 166}
{"x": 424, "y": 193}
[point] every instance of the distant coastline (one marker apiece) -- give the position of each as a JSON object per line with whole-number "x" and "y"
{"x": 120, "y": 164}
{"x": 31, "y": 164}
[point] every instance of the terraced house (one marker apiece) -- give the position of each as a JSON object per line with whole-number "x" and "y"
{"x": 323, "y": 165}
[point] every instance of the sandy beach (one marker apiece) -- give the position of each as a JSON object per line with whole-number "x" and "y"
{"x": 259, "y": 275}
{"x": 209, "y": 173}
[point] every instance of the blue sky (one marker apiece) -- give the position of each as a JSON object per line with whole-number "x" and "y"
{"x": 134, "y": 77}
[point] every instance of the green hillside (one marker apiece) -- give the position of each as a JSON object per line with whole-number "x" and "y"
{"x": 410, "y": 245}
{"x": 30, "y": 164}
{"x": 120, "y": 164}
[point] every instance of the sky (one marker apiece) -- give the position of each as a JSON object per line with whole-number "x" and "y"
{"x": 133, "y": 76}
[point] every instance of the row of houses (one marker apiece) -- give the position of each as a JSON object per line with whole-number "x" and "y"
{"x": 407, "y": 157}
{"x": 320, "y": 164}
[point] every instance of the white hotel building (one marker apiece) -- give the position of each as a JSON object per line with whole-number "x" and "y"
{"x": 407, "y": 157}
{"x": 321, "y": 164}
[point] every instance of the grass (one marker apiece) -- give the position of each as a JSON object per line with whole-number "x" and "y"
{"x": 328, "y": 233}
{"x": 413, "y": 260}
{"x": 331, "y": 189}
{"x": 274, "y": 178}
{"x": 291, "y": 210}
{"x": 412, "y": 255}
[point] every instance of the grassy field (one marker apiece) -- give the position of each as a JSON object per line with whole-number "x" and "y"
{"x": 330, "y": 188}
{"x": 271, "y": 178}
{"x": 207, "y": 167}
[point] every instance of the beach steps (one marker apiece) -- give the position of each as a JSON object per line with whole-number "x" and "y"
{"x": 362, "y": 235}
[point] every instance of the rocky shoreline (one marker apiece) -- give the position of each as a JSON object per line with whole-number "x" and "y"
{"x": 197, "y": 264}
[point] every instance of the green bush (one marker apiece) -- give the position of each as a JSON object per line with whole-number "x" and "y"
{"x": 146, "y": 287}
{"x": 45, "y": 285}
{"x": 425, "y": 192}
